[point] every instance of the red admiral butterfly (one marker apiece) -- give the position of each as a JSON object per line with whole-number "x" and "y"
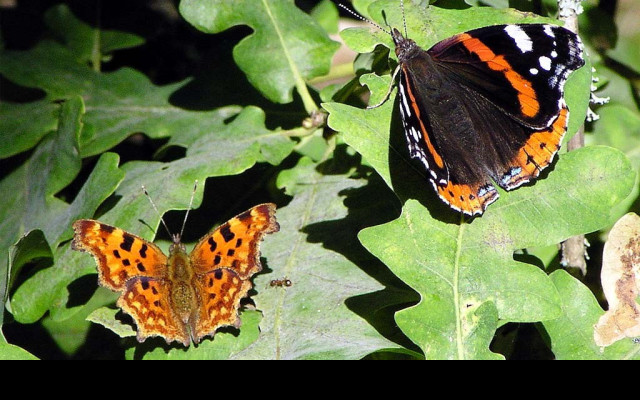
{"x": 486, "y": 106}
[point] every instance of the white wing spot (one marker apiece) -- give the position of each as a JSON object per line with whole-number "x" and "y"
{"x": 415, "y": 134}
{"x": 523, "y": 41}
{"x": 545, "y": 63}
{"x": 405, "y": 104}
{"x": 548, "y": 30}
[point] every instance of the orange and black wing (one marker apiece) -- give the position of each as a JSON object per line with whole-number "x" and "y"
{"x": 486, "y": 106}
{"x": 224, "y": 261}
{"x": 119, "y": 255}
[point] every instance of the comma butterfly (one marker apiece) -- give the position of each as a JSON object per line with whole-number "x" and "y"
{"x": 183, "y": 297}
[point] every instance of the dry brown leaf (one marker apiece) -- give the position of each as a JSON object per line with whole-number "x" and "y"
{"x": 620, "y": 278}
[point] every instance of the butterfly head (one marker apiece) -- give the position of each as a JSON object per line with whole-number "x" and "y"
{"x": 177, "y": 244}
{"x": 404, "y": 47}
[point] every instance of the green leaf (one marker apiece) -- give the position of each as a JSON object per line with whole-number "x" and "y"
{"x": 287, "y": 45}
{"x": 616, "y": 87}
{"x": 22, "y": 126}
{"x": 625, "y": 52}
{"x": 347, "y": 225}
{"x": 37, "y": 294}
{"x": 225, "y": 344}
{"x": 245, "y": 141}
{"x": 31, "y": 246}
{"x": 362, "y": 6}
{"x": 458, "y": 267}
{"x": 30, "y": 202}
{"x": 71, "y": 332}
{"x": 106, "y": 317}
{"x": 118, "y": 104}
{"x": 619, "y": 127}
{"x": 12, "y": 352}
{"x": 86, "y": 43}
{"x": 571, "y": 334}
{"x": 326, "y": 14}
{"x": 317, "y": 250}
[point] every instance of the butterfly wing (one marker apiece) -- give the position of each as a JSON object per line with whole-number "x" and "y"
{"x": 224, "y": 261}
{"x": 129, "y": 264}
{"x": 221, "y": 291}
{"x": 514, "y": 74}
{"x": 439, "y": 136}
{"x": 146, "y": 300}
{"x": 119, "y": 255}
{"x": 235, "y": 245}
{"x": 521, "y": 68}
{"x": 487, "y": 105}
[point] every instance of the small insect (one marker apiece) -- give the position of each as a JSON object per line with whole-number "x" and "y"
{"x": 284, "y": 282}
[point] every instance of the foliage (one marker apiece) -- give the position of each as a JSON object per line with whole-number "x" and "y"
{"x": 380, "y": 267}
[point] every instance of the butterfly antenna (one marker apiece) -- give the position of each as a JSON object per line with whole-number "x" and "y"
{"x": 144, "y": 190}
{"x": 195, "y": 187}
{"x": 360, "y": 17}
{"x": 404, "y": 18}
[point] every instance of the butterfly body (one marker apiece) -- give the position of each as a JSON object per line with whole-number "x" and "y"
{"x": 186, "y": 296}
{"x": 486, "y": 106}
{"x": 182, "y": 282}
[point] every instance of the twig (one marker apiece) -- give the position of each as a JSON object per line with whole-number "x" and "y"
{"x": 574, "y": 249}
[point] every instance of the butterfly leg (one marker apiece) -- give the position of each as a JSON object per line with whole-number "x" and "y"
{"x": 386, "y": 96}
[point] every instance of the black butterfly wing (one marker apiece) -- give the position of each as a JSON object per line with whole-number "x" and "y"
{"x": 440, "y": 143}
{"x": 522, "y": 68}
{"x": 486, "y": 105}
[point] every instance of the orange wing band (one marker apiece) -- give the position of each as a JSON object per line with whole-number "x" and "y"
{"x": 529, "y": 104}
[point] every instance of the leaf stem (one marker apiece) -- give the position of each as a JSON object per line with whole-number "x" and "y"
{"x": 96, "y": 56}
{"x": 301, "y": 85}
{"x": 337, "y": 72}
{"x": 456, "y": 293}
{"x": 305, "y": 95}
